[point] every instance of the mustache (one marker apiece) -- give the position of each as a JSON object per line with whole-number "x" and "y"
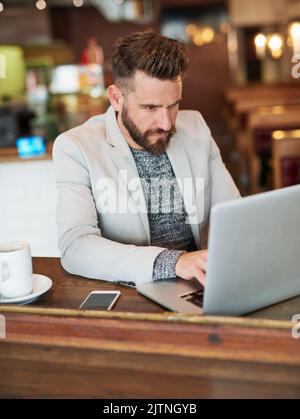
{"x": 172, "y": 131}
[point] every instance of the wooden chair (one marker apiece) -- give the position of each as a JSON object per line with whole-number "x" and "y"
{"x": 286, "y": 158}
{"x": 261, "y": 124}
{"x": 241, "y": 102}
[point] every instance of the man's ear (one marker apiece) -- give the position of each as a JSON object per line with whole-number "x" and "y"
{"x": 115, "y": 97}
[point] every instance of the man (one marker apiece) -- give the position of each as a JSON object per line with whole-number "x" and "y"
{"x": 138, "y": 156}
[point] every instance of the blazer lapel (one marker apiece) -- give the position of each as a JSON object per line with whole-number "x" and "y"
{"x": 123, "y": 159}
{"x": 182, "y": 169}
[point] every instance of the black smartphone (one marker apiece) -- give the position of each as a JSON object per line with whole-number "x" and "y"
{"x": 100, "y": 300}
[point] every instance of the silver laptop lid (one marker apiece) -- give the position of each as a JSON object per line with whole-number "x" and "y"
{"x": 254, "y": 253}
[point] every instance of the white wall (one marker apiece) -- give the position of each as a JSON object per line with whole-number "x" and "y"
{"x": 28, "y": 205}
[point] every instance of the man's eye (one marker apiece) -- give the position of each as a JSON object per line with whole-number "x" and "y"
{"x": 150, "y": 108}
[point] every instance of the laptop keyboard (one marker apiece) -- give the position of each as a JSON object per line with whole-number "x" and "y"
{"x": 195, "y": 297}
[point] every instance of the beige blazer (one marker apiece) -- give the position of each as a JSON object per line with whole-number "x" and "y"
{"x": 116, "y": 245}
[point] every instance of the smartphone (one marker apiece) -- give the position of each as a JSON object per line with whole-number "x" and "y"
{"x": 100, "y": 300}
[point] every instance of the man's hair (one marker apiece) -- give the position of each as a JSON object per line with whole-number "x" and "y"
{"x": 155, "y": 55}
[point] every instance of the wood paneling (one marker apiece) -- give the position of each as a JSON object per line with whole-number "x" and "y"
{"x": 207, "y": 76}
{"x": 76, "y": 26}
{"x": 246, "y": 13}
{"x": 21, "y": 25}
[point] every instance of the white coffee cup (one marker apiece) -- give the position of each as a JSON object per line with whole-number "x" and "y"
{"x": 15, "y": 269}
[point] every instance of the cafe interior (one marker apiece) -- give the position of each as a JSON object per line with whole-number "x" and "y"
{"x": 55, "y": 70}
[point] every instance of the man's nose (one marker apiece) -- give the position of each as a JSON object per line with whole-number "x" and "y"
{"x": 164, "y": 121}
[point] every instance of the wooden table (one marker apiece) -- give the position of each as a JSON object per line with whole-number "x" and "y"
{"x": 139, "y": 350}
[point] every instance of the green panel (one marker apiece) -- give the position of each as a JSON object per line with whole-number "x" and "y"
{"x": 11, "y": 58}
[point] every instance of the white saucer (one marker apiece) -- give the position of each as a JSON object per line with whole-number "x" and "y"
{"x": 41, "y": 284}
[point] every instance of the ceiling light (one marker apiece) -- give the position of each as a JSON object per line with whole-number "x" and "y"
{"x": 41, "y": 4}
{"x": 78, "y": 3}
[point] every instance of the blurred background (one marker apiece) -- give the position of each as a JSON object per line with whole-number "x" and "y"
{"x": 244, "y": 78}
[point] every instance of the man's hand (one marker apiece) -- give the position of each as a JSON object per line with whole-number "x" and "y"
{"x": 192, "y": 265}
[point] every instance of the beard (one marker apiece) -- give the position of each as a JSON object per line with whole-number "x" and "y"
{"x": 144, "y": 139}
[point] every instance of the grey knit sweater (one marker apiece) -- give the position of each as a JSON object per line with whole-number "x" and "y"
{"x": 166, "y": 213}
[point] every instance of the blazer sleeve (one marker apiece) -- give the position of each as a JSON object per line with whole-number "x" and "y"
{"x": 82, "y": 248}
{"x": 222, "y": 185}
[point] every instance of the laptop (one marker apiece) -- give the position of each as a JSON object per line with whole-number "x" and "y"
{"x": 253, "y": 259}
